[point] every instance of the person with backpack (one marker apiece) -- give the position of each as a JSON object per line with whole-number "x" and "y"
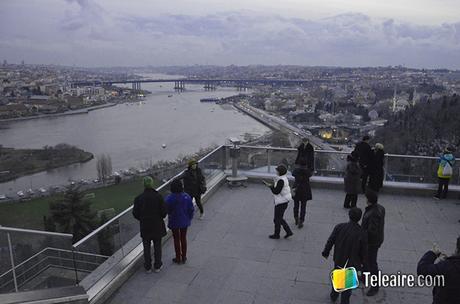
{"x": 445, "y": 170}
{"x": 180, "y": 214}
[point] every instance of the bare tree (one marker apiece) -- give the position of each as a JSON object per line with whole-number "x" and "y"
{"x": 104, "y": 167}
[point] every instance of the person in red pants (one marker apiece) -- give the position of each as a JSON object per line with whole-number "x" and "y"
{"x": 180, "y": 214}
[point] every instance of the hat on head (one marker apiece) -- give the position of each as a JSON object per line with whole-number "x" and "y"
{"x": 355, "y": 214}
{"x": 148, "y": 182}
{"x": 366, "y": 137}
{"x": 281, "y": 169}
{"x": 192, "y": 162}
{"x": 448, "y": 150}
{"x": 378, "y": 146}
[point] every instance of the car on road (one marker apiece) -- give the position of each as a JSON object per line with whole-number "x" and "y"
{"x": 20, "y": 193}
{"x": 42, "y": 190}
{"x": 3, "y": 197}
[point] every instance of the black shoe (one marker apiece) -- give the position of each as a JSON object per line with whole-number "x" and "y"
{"x": 184, "y": 259}
{"x": 274, "y": 236}
{"x": 300, "y": 225}
{"x": 177, "y": 261}
{"x": 372, "y": 291}
{"x": 288, "y": 234}
{"x": 334, "y": 296}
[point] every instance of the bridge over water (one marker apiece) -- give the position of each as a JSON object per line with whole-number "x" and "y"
{"x": 179, "y": 83}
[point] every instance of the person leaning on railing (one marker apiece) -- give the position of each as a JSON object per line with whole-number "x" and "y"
{"x": 445, "y": 170}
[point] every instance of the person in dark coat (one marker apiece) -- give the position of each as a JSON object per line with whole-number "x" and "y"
{"x": 364, "y": 152}
{"x": 180, "y": 214}
{"x": 351, "y": 182}
{"x": 449, "y": 268}
{"x": 195, "y": 184}
{"x": 373, "y": 223}
{"x": 150, "y": 210}
{"x": 306, "y": 151}
{"x": 302, "y": 191}
{"x": 350, "y": 248}
{"x": 376, "y": 170}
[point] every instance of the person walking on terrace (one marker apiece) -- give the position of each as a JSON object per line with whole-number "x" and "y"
{"x": 373, "y": 223}
{"x": 195, "y": 184}
{"x": 150, "y": 210}
{"x": 282, "y": 195}
{"x": 449, "y": 267}
{"x": 351, "y": 182}
{"x": 376, "y": 170}
{"x": 306, "y": 151}
{"x": 302, "y": 191}
{"x": 364, "y": 152}
{"x": 445, "y": 170}
{"x": 180, "y": 213}
{"x": 350, "y": 248}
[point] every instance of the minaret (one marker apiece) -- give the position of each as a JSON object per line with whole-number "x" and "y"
{"x": 414, "y": 96}
{"x": 394, "y": 100}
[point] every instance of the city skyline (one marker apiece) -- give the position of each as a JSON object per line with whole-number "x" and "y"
{"x": 113, "y": 33}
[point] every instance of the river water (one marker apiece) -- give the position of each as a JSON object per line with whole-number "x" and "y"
{"x": 132, "y": 134}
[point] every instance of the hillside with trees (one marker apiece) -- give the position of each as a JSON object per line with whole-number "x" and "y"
{"x": 424, "y": 129}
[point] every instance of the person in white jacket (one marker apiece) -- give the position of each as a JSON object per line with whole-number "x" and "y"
{"x": 282, "y": 195}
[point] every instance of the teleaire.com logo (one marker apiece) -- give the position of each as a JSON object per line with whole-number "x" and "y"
{"x": 347, "y": 278}
{"x": 344, "y": 279}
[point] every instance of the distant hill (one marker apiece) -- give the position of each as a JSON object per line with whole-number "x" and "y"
{"x": 424, "y": 129}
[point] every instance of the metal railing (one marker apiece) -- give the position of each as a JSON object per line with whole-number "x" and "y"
{"x": 103, "y": 248}
{"x": 397, "y": 168}
{"x": 25, "y": 254}
{"x": 120, "y": 235}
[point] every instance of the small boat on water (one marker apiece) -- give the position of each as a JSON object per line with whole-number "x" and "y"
{"x": 169, "y": 95}
{"x": 163, "y": 146}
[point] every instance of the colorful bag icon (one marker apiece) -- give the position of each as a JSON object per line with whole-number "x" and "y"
{"x": 344, "y": 279}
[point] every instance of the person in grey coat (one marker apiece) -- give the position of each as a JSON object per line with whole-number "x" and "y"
{"x": 352, "y": 182}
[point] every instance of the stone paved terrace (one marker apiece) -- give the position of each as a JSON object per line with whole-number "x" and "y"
{"x": 232, "y": 260}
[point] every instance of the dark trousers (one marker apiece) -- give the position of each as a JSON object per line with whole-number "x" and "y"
{"x": 279, "y": 220}
{"x": 198, "y": 202}
{"x": 364, "y": 178}
{"x": 156, "y": 251}
{"x": 180, "y": 243}
{"x": 303, "y": 208}
{"x": 372, "y": 253}
{"x": 443, "y": 187}
{"x": 350, "y": 200}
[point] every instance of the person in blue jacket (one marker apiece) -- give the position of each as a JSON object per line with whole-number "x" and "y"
{"x": 180, "y": 213}
{"x": 445, "y": 171}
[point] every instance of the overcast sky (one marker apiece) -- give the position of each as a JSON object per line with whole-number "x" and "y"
{"x": 414, "y": 33}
